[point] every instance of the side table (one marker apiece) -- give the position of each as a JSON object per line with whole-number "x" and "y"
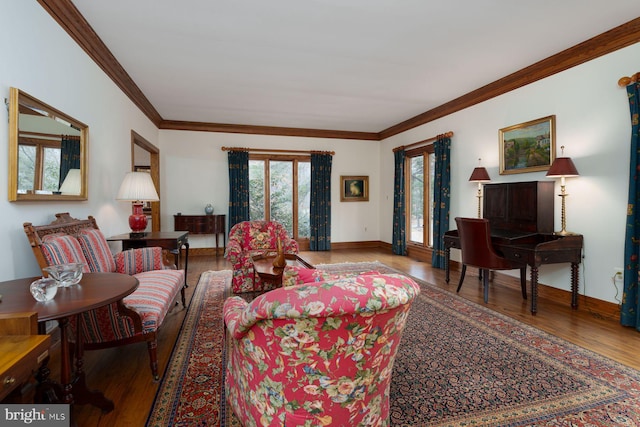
{"x": 95, "y": 290}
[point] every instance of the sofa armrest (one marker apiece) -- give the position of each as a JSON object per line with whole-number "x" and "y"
{"x": 233, "y": 312}
{"x": 134, "y": 261}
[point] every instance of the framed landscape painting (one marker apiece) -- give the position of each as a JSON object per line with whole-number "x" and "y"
{"x": 354, "y": 188}
{"x": 528, "y": 147}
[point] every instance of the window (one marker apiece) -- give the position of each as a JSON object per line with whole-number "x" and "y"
{"x": 38, "y": 165}
{"x": 420, "y": 164}
{"x": 279, "y": 190}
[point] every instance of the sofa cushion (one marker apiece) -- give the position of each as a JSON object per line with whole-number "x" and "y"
{"x": 135, "y": 261}
{"x": 96, "y": 250}
{"x": 63, "y": 249}
{"x": 153, "y": 299}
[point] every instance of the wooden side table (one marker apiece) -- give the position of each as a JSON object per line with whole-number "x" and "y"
{"x": 95, "y": 290}
{"x": 263, "y": 267}
{"x": 202, "y": 224}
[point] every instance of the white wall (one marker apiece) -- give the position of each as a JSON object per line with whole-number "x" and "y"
{"x": 40, "y": 59}
{"x": 592, "y": 120}
{"x": 195, "y": 173}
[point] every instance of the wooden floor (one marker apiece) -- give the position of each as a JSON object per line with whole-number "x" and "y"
{"x": 124, "y": 376}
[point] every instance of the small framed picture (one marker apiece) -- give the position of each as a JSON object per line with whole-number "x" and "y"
{"x": 354, "y": 188}
{"x": 528, "y": 147}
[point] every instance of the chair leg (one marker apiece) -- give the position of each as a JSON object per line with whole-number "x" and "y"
{"x": 464, "y": 270}
{"x": 152, "y": 346}
{"x": 523, "y": 282}
{"x": 485, "y": 284}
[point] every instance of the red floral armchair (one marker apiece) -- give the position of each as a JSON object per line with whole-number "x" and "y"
{"x": 316, "y": 354}
{"x": 250, "y": 238}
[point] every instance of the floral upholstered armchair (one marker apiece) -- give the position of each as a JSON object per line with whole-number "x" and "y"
{"x": 250, "y": 238}
{"x": 317, "y": 354}
{"x": 138, "y": 316}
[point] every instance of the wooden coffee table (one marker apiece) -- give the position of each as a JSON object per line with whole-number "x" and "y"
{"x": 263, "y": 267}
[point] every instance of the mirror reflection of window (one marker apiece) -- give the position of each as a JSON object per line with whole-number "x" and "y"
{"x": 44, "y": 145}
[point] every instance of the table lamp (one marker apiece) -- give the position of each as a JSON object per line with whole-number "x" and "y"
{"x": 562, "y": 167}
{"x": 137, "y": 187}
{"x": 479, "y": 175}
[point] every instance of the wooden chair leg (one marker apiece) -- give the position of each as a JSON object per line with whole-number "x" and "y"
{"x": 462, "y": 273}
{"x": 523, "y": 282}
{"x": 485, "y": 284}
{"x": 153, "y": 357}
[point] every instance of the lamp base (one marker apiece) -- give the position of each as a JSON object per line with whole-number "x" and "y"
{"x": 137, "y": 221}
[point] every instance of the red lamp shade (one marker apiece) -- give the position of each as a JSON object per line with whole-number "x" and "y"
{"x": 562, "y": 167}
{"x": 479, "y": 174}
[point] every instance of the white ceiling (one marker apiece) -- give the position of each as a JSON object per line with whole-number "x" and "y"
{"x": 355, "y": 65}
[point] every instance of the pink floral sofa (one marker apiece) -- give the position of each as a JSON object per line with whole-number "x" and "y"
{"x": 317, "y": 354}
{"x": 138, "y": 316}
{"x": 250, "y": 238}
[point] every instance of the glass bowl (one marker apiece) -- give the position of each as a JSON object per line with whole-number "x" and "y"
{"x": 44, "y": 289}
{"x": 65, "y": 274}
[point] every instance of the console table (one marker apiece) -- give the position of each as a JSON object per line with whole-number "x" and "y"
{"x": 202, "y": 224}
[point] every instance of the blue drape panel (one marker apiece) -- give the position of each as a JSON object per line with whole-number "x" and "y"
{"x": 399, "y": 242}
{"x": 441, "y": 198}
{"x": 630, "y": 313}
{"x": 238, "y": 187}
{"x": 69, "y": 155}
{"x": 320, "y": 209}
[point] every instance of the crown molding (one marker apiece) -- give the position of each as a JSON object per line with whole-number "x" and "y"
{"x": 267, "y": 130}
{"x": 70, "y": 19}
{"x": 607, "y": 42}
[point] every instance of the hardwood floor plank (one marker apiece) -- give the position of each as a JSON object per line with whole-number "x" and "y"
{"x": 124, "y": 376}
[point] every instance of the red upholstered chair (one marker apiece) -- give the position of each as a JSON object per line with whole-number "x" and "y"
{"x": 248, "y": 238}
{"x": 478, "y": 251}
{"x": 317, "y": 354}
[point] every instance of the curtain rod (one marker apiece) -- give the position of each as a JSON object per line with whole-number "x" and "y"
{"x": 267, "y": 150}
{"x": 626, "y": 81}
{"x": 424, "y": 141}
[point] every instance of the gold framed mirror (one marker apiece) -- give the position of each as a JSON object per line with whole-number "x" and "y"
{"x": 47, "y": 152}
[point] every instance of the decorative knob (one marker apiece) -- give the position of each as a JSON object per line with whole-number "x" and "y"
{"x": 9, "y": 381}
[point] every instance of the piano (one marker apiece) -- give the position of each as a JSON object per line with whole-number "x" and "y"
{"x": 521, "y": 215}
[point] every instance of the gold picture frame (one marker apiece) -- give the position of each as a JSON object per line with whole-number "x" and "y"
{"x": 528, "y": 147}
{"x": 354, "y": 188}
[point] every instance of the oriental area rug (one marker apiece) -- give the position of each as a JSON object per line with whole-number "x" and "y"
{"x": 458, "y": 364}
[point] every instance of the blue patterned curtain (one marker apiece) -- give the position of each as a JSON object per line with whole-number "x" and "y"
{"x": 399, "y": 242}
{"x": 320, "y": 209}
{"x": 238, "y": 187}
{"x": 630, "y": 313}
{"x": 69, "y": 155}
{"x": 441, "y": 198}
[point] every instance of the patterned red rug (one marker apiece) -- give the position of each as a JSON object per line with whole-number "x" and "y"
{"x": 459, "y": 364}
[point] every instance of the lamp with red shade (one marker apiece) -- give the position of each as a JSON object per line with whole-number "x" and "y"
{"x": 479, "y": 175}
{"x": 563, "y": 167}
{"x": 137, "y": 187}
